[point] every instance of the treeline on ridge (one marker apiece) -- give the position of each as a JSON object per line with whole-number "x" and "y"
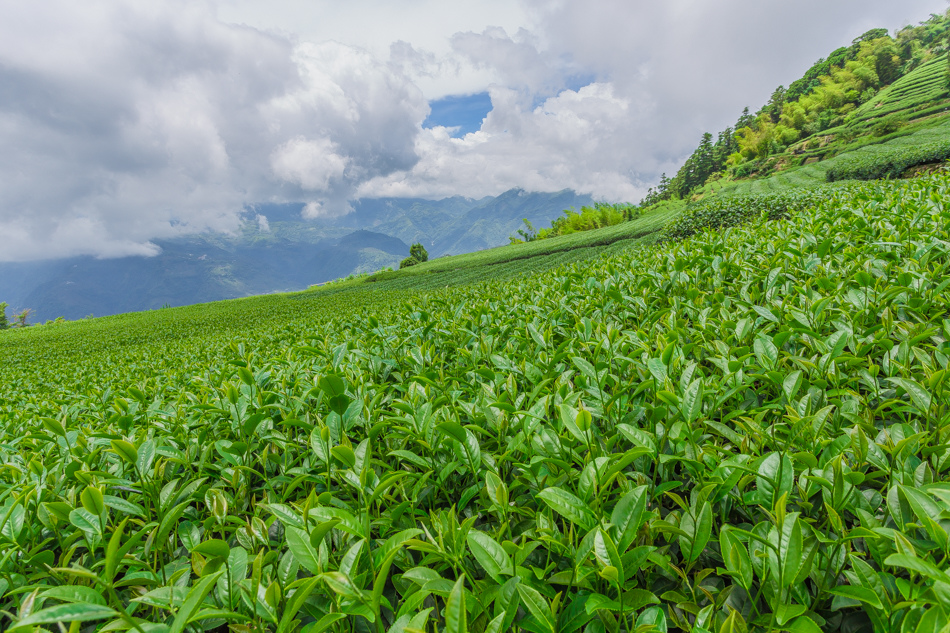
{"x": 825, "y": 97}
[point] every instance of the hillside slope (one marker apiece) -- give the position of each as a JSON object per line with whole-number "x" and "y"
{"x": 741, "y": 406}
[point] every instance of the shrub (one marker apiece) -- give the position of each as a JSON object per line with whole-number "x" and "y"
{"x": 726, "y": 211}
{"x": 418, "y": 252}
{"x": 887, "y": 161}
{"x": 886, "y": 126}
{"x": 409, "y": 261}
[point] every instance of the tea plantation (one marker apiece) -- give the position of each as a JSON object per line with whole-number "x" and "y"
{"x": 744, "y": 430}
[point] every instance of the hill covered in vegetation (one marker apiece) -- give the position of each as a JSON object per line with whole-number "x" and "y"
{"x": 728, "y": 413}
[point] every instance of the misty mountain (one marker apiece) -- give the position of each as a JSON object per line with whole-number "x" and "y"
{"x": 277, "y": 250}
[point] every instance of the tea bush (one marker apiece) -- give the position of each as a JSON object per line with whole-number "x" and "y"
{"x": 745, "y": 430}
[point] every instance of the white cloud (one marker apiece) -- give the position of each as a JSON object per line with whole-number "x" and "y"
{"x": 574, "y": 140}
{"x": 123, "y": 122}
{"x": 312, "y": 164}
{"x": 262, "y": 224}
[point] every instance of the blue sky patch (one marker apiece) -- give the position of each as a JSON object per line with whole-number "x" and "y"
{"x": 464, "y": 111}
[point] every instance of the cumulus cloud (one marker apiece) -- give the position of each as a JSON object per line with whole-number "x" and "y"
{"x": 574, "y": 140}
{"x": 662, "y": 75}
{"x": 123, "y": 123}
{"x": 312, "y": 164}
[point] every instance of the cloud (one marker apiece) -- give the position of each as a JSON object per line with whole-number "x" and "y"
{"x": 574, "y": 140}
{"x": 123, "y": 123}
{"x": 311, "y": 164}
{"x": 662, "y": 75}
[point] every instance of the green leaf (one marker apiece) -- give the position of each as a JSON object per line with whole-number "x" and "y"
{"x": 489, "y": 554}
{"x": 697, "y": 523}
{"x": 918, "y": 565}
{"x": 125, "y": 450}
{"x": 301, "y": 594}
{"x": 302, "y": 549}
{"x": 775, "y": 478}
{"x": 453, "y": 430}
{"x": 345, "y": 455}
{"x": 790, "y": 549}
{"x": 856, "y": 592}
{"x": 74, "y": 593}
{"x": 568, "y": 506}
{"x": 85, "y": 521}
{"x": 170, "y": 520}
{"x": 379, "y": 584}
{"x": 195, "y": 597}
{"x": 65, "y": 613}
{"x": 606, "y": 553}
{"x": 537, "y": 606}
{"x": 326, "y": 622}
{"x": 918, "y": 395}
{"x": 456, "y": 617}
{"x": 804, "y": 624}
{"x": 653, "y": 616}
{"x": 736, "y": 557}
{"x": 112, "y": 553}
{"x": 342, "y": 584}
{"x": 497, "y": 490}
{"x": 766, "y": 314}
{"x": 693, "y": 400}
{"x": 657, "y": 369}
{"x": 785, "y": 612}
{"x": 792, "y": 384}
{"x": 332, "y": 385}
{"x": 765, "y": 352}
{"x": 628, "y": 516}
{"x": 126, "y": 507}
{"x": 215, "y": 548}
{"x": 145, "y": 457}
{"x": 92, "y": 500}
{"x": 285, "y": 514}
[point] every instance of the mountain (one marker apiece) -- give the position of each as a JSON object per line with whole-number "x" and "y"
{"x": 461, "y": 225}
{"x": 277, "y": 250}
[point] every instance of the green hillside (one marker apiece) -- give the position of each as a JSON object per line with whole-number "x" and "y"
{"x": 729, "y": 414}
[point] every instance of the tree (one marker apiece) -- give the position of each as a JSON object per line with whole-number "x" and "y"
{"x": 774, "y": 107}
{"x": 3, "y": 315}
{"x": 873, "y": 34}
{"x": 746, "y": 120}
{"x": 528, "y": 233}
{"x": 419, "y": 253}
{"x": 19, "y": 319}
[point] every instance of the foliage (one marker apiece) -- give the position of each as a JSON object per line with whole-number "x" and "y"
{"x": 727, "y": 211}
{"x": 419, "y": 253}
{"x": 4, "y": 324}
{"x": 21, "y": 318}
{"x": 888, "y": 161}
{"x": 746, "y": 430}
{"x": 409, "y": 261}
{"x": 599, "y": 216}
{"x": 886, "y": 126}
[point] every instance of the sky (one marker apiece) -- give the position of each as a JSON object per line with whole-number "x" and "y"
{"x": 125, "y": 122}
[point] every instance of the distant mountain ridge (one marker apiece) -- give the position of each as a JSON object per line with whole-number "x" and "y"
{"x": 285, "y": 252}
